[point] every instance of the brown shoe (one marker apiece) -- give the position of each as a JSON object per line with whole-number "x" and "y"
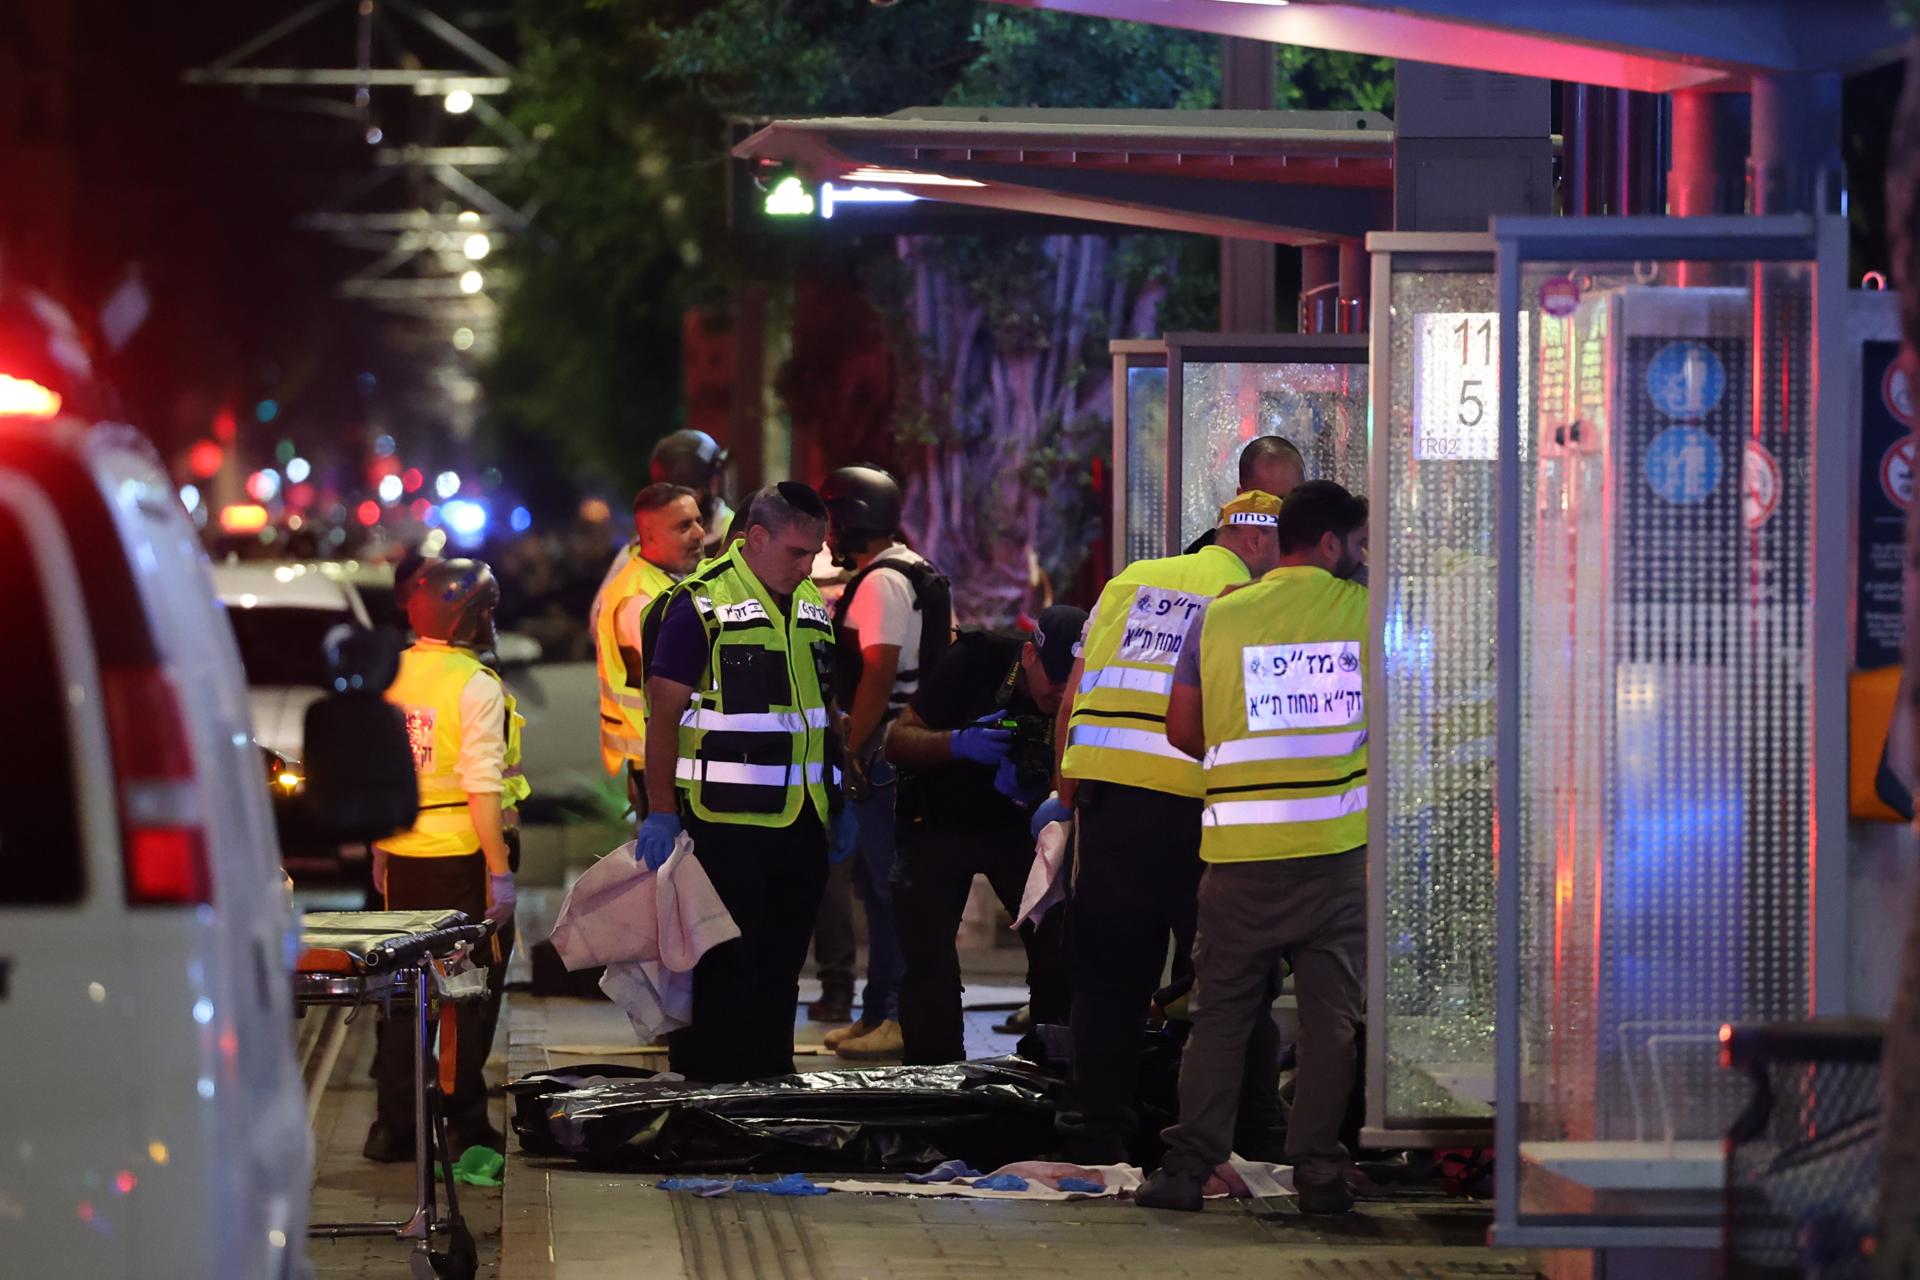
{"x": 881, "y": 1042}
{"x": 840, "y": 1035}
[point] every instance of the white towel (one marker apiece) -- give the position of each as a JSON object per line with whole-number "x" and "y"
{"x": 1046, "y": 883}
{"x": 649, "y": 929}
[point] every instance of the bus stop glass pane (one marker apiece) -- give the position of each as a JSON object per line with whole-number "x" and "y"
{"x": 1665, "y": 755}
{"x": 1434, "y": 796}
{"x": 1321, "y": 408}
{"x": 1146, "y": 534}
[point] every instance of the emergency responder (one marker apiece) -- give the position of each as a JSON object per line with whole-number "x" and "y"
{"x": 465, "y": 735}
{"x": 1270, "y": 690}
{"x": 966, "y": 809}
{"x": 893, "y": 619}
{"x": 737, "y": 721}
{"x": 667, "y": 543}
{"x": 1137, "y": 799}
{"x": 1270, "y": 464}
{"x": 696, "y": 460}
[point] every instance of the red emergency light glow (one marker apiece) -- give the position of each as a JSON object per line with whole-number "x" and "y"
{"x": 411, "y": 479}
{"x": 369, "y": 513}
{"x": 25, "y": 398}
{"x": 204, "y": 458}
{"x": 243, "y": 517}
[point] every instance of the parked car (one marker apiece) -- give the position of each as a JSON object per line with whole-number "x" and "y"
{"x": 152, "y": 1117}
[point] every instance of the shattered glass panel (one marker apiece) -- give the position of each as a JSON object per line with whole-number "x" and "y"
{"x": 1664, "y": 836}
{"x": 1321, "y": 408}
{"x": 1146, "y": 532}
{"x": 1433, "y": 743}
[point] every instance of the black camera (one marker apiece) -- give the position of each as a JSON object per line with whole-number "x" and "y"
{"x": 1032, "y": 751}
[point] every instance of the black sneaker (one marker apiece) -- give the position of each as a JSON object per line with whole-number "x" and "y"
{"x": 388, "y": 1145}
{"x": 1323, "y": 1197}
{"x": 1171, "y": 1189}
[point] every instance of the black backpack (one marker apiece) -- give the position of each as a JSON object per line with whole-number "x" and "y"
{"x": 932, "y": 598}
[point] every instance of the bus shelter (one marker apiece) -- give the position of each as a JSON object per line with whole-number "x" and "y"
{"x": 1671, "y": 651}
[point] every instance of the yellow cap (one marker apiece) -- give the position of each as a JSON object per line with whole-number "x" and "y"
{"x": 1255, "y": 506}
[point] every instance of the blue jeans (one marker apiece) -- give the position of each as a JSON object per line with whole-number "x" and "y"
{"x": 872, "y": 877}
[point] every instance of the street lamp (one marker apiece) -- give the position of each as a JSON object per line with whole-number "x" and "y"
{"x": 459, "y": 102}
{"x": 471, "y": 282}
{"x": 463, "y": 339}
{"x": 477, "y": 246}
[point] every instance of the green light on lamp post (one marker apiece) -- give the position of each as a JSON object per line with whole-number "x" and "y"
{"x": 789, "y": 199}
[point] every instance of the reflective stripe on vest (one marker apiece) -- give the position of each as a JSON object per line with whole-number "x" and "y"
{"x": 753, "y": 741}
{"x": 1298, "y": 747}
{"x": 1152, "y": 742}
{"x": 1135, "y": 678}
{"x": 1130, "y": 652}
{"x": 746, "y": 775}
{"x": 623, "y": 707}
{"x": 761, "y": 722}
{"x": 1283, "y": 667}
{"x": 1236, "y": 813}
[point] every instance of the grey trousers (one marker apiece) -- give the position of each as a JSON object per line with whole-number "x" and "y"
{"x": 1313, "y": 912}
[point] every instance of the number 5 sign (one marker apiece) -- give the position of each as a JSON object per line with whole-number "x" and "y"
{"x": 1456, "y": 391}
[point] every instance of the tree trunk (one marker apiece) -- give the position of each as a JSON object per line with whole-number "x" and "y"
{"x": 1012, "y": 380}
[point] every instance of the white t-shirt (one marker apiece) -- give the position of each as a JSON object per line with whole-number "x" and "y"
{"x": 882, "y": 612}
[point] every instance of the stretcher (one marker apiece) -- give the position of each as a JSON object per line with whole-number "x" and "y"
{"x": 415, "y": 961}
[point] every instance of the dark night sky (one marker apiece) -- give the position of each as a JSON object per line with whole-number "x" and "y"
{"x": 197, "y": 187}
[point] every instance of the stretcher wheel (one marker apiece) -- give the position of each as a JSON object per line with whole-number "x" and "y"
{"x": 461, "y": 1261}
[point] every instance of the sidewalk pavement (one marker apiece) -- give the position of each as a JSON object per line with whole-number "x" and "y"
{"x": 560, "y": 1222}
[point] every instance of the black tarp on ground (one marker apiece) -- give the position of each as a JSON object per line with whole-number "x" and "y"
{"x": 887, "y": 1120}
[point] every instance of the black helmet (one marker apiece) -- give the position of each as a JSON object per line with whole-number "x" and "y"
{"x": 862, "y": 500}
{"x": 453, "y": 601}
{"x": 688, "y": 457}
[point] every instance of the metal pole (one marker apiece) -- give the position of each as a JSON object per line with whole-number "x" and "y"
{"x": 1795, "y": 165}
{"x": 1354, "y": 284}
{"x": 1319, "y": 288}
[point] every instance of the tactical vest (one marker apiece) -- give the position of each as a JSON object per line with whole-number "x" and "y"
{"x": 753, "y": 739}
{"x": 623, "y": 705}
{"x": 427, "y": 691}
{"x": 1283, "y": 692}
{"x": 932, "y": 600}
{"x": 1118, "y": 731}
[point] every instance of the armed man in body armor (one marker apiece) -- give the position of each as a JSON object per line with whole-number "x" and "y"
{"x": 976, "y": 747}
{"x": 668, "y": 538}
{"x": 1271, "y": 690}
{"x": 460, "y": 854}
{"x": 739, "y": 660}
{"x": 1138, "y": 802}
{"x": 892, "y": 624}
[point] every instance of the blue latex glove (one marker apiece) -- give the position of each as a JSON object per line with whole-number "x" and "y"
{"x": 1006, "y": 780}
{"x": 1001, "y": 1182}
{"x": 500, "y": 899}
{"x": 1051, "y": 810}
{"x": 655, "y": 845}
{"x": 845, "y": 834}
{"x": 981, "y": 742}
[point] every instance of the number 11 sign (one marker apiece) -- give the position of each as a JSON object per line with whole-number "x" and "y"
{"x": 1456, "y": 390}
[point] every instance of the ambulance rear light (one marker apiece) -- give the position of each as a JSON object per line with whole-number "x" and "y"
{"x": 164, "y": 842}
{"x": 25, "y": 398}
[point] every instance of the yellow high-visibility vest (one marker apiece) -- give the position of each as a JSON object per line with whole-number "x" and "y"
{"x": 753, "y": 739}
{"x": 427, "y": 691}
{"x": 1118, "y": 730}
{"x": 1283, "y": 668}
{"x": 623, "y": 704}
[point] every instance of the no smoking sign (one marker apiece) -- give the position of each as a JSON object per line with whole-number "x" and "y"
{"x": 1759, "y": 485}
{"x": 1896, "y": 473}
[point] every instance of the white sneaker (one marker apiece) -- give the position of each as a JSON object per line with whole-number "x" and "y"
{"x": 883, "y": 1041}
